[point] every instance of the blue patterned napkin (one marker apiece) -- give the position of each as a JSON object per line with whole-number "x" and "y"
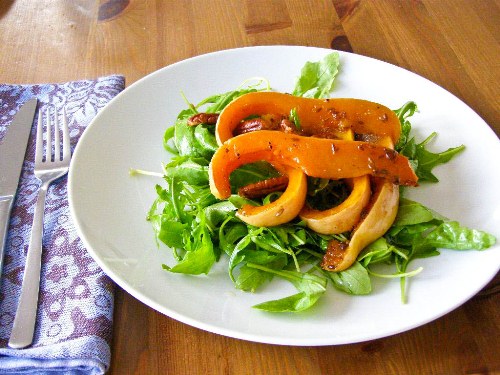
{"x": 74, "y": 322}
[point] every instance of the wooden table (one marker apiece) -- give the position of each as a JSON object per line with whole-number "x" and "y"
{"x": 454, "y": 43}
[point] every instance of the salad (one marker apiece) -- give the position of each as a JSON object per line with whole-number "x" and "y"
{"x": 212, "y": 207}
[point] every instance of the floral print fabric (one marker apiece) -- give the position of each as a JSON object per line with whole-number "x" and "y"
{"x": 74, "y": 321}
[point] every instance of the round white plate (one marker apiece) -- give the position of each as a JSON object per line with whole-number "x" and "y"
{"x": 109, "y": 206}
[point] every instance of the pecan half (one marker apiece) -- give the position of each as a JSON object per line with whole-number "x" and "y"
{"x": 334, "y": 255}
{"x": 203, "y": 118}
{"x": 264, "y": 187}
{"x": 265, "y": 122}
{"x": 250, "y": 125}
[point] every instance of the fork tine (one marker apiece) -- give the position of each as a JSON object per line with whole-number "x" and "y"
{"x": 57, "y": 140}
{"x": 48, "y": 144}
{"x": 39, "y": 138}
{"x": 66, "y": 139}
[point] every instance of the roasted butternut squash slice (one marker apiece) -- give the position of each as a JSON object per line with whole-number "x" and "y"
{"x": 285, "y": 208}
{"x": 335, "y": 116}
{"x": 380, "y": 214}
{"x": 382, "y": 211}
{"x": 346, "y": 215}
{"x": 343, "y": 217}
{"x": 317, "y": 157}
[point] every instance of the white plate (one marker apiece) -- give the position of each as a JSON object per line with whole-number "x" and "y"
{"x": 109, "y": 207}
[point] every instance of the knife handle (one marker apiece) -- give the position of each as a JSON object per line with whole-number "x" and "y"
{"x": 5, "y": 208}
{"x": 25, "y": 319}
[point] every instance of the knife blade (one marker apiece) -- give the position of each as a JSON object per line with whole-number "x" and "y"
{"x": 12, "y": 151}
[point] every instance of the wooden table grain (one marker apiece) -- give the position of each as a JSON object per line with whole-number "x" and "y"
{"x": 454, "y": 43}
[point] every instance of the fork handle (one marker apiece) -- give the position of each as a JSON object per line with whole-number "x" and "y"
{"x": 24, "y": 322}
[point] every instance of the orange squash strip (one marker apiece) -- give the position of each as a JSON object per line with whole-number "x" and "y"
{"x": 283, "y": 209}
{"x": 317, "y": 157}
{"x": 380, "y": 214}
{"x": 383, "y": 208}
{"x": 343, "y": 217}
{"x": 336, "y": 116}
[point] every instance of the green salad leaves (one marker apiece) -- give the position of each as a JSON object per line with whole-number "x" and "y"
{"x": 201, "y": 229}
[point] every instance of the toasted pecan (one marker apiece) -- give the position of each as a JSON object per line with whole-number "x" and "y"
{"x": 334, "y": 255}
{"x": 257, "y": 123}
{"x": 203, "y": 118}
{"x": 264, "y": 187}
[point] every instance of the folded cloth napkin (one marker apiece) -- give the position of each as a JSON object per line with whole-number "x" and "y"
{"x": 75, "y": 310}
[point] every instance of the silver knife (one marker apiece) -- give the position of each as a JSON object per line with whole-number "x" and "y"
{"x": 12, "y": 151}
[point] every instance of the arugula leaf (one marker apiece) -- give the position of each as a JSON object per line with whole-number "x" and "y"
{"x": 425, "y": 160}
{"x": 168, "y": 144}
{"x": 420, "y": 228}
{"x": 194, "y": 171}
{"x": 251, "y": 173}
{"x": 422, "y": 160}
{"x": 172, "y": 233}
{"x": 185, "y": 141}
{"x": 310, "y": 286}
{"x": 250, "y": 279}
{"x": 354, "y": 280}
{"x": 407, "y": 110}
{"x": 418, "y": 232}
{"x": 411, "y": 213}
{"x": 238, "y": 253}
{"x": 451, "y": 235}
{"x": 199, "y": 141}
{"x": 317, "y": 78}
{"x": 231, "y": 231}
{"x": 376, "y": 252}
{"x": 200, "y": 254}
{"x": 206, "y": 139}
{"x": 219, "y": 101}
{"x": 218, "y": 212}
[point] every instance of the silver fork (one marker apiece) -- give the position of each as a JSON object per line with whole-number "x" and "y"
{"x": 47, "y": 169}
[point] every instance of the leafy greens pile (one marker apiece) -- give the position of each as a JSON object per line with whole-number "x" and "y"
{"x": 201, "y": 229}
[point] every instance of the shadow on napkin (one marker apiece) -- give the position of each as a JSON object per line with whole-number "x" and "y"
{"x": 74, "y": 322}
